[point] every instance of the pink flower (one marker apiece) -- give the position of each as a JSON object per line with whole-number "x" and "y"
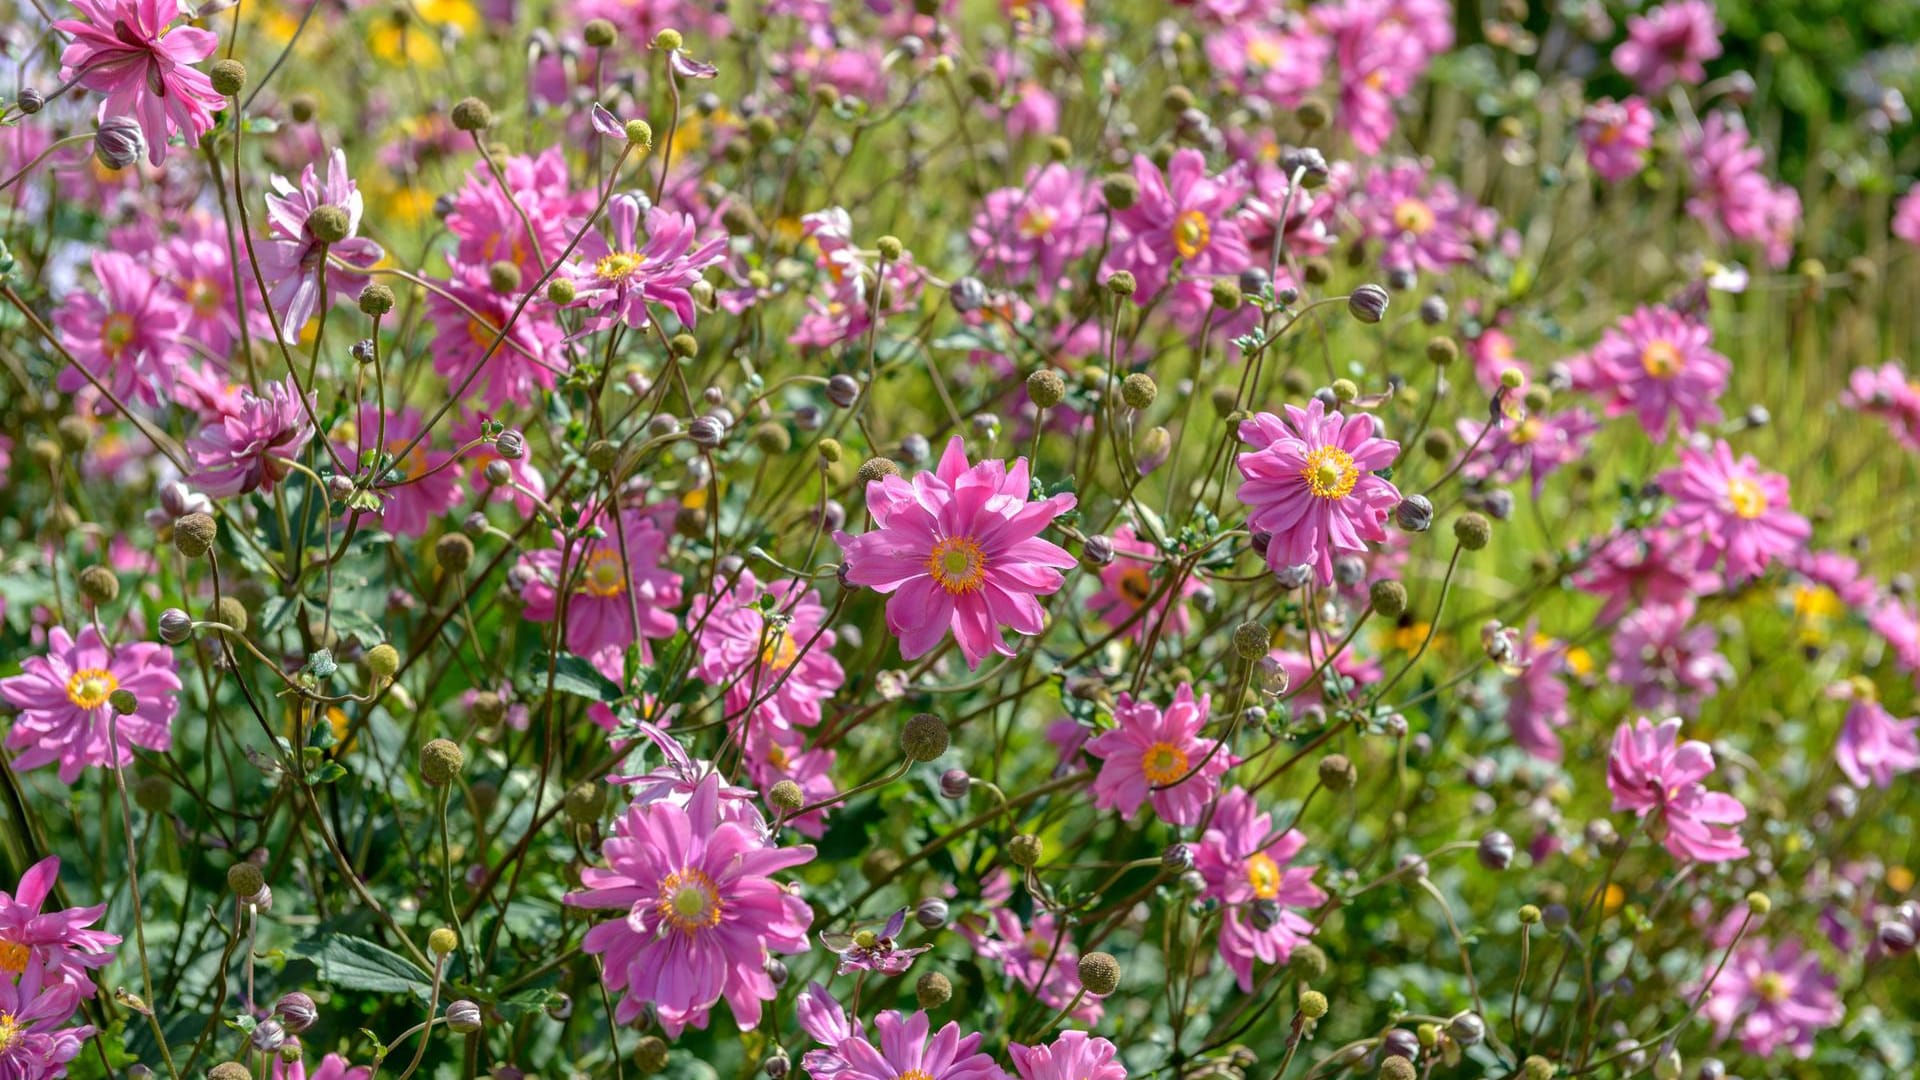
{"x": 1074, "y": 1055}
{"x": 776, "y": 753}
{"x": 62, "y": 698}
{"x": 332, "y": 1067}
{"x": 1036, "y": 229}
{"x": 1184, "y": 217}
{"x": 905, "y": 1051}
{"x": 489, "y": 229}
{"x": 1906, "y": 217}
{"x": 823, "y": 1018}
{"x": 1422, "y": 221}
{"x": 1131, "y": 579}
{"x": 1657, "y": 566}
{"x": 415, "y": 490}
{"x": 37, "y": 1047}
{"x": 1617, "y": 135}
{"x": 959, "y": 548}
{"x": 1669, "y": 44}
{"x": 1245, "y": 866}
{"x": 248, "y": 448}
{"x": 1874, "y": 746}
{"x": 1891, "y": 394}
{"x": 1149, "y": 750}
{"x": 1670, "y": 663}
{"x": 1774, "y": 996}
{"x": 58, "y": 941}
{"x": 1537, "y": 694}
{"x": 1738, "y": 511}
{"x": 1378, "y": 60}
{"x": 1899, "y": 623}
{"x": 755, "y": 651}
{"x": 867, "y": 950}
{"x": 620, "y": 280}
{"x": 1733, "y": 196}
{"x": 1038, "y": 956}
{"x": 1661, "y": 366}
{"x": 129, "y": 336}
{"x": 616, "y": 588}
{"x": 130, "y": 51}
{"x": 1652, "y": 772}
{"x": 1280, "y": 64}
{"x": 1309, "y": 482}
{"x": 292, "y": 262}
{"x": 701, "y": 912}
{"x": 847, "y": 310}
{"x": 197, "y": 264}
{"x": 531, "y": 359}
{"x": 1532, "y": 446}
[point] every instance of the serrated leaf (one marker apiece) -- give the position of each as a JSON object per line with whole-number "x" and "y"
{"x": 358, "y": 964}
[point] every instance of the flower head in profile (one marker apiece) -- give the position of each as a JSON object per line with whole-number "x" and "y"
{"x": 1875, "y": 747}
{"x": 621, "y": 278}
{"x": 130, "y": 51}
{"x": 1309, "y": 482}
{"x": 827, "y": 1022}
{"x": 1159, "y": 756}
{"x": 62, "y": 701}
{"x": 1740, "y": 513}
{"x": 128, "y": 335}
{"x": 1772, "y": 996}
{"x": 294, "y": 262}
{"x": 1617, "y": 136}
{"x": 1670, "y": 43}
{"x": 1131, "y": 580}
{"x": 33, "y": 1043}
{"x": 701, "y": 911}
{"x": 249, "y": 448}
{"x": 1661, "y": 366}
{"x": 905, "y": 1050}
{"x": 1074, "y": 1055}
{"x": 1245, "y": 865}
{"x": 58, "y": 941}
{"x": 619, "y": 589}
{"x": 1652, "y": 773}
{"x": 959, "y": 548}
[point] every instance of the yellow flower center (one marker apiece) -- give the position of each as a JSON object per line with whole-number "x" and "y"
{"x": 688, "y": 901}
{"x": 1191, "y": 234}
{"x": 1331, "y": 473}
{"x": 1747, "y": 499}
{"x": 1265, "y": 51}
{"x": 914, "y": 1074}
{"x": 9, "y": 1031}
{"x": 618, "y": 265}
{"x": 1661, "y": 359}
{"x": 1134, "y": 586}
{"x": 780, "y": 651}
{"x": 1037, "y": 222}
{"x": 1264, "y": 875}
{"x": 13, "y": 956}
{"x": 203, "y": 296}
{"x": 1772, "y": 988}
{"x": 1163, "y": 763}
{"x": 116, "y": 332}
{"x": 1527, "y": 431}
{"x": 481, "y": 332}
{"x": 604, "y": 576}
{"x": 957, "y": 564}
{"x": 1412, "y": 216}
{"x": 91, "y": 687}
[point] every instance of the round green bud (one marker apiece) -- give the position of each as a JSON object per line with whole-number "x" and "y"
{"x": 375, "y": 300}
{"x": 193, "y": 534}
{"x": 772, "y": 437}
{"x": 933, "y": 990}
{"x": 668, "y": 38}
{"x": 229, "y": 1070}
{"x": 1121, "y": 283}
{"x": 1313, "y": 114}
{"x": 1099, "y": 973}
{"x": 651, "y": 1054}
{"x": 1472, "y": 530}
{"x": 441, "y": 761}
{"x": 924, "y": 738}
{"x": 830, "y": 451}
{"x": 1529, "y": 914}
{"x": 75, "y": 433}
{"x": 454, "y": 553}
{"x": 1397, "y": 1068}
{"x": 786, "y": 797}
{"x": 1227, "y": 295}
{"x": 487, "y": 708}
{"x": 874, "y": 468}
{"x": 1309, "y": 960}
{"x": 599, "y": 33}
{"x": 99, "y": 585}
{"x": 1225, "y": 400}
{"x": 1251, "y": 640}
{"x": 1316, "y": 269}
{"x": 1025, "y": 849}
{"x": 889, "y": 248}
{"x": 154, "y": 794}
{"x": 1045, "y": 388}
{"x": 1344, "y": 390}
{"x": 471, "y": 114}
{"x": 228, "y": 76}
{"x": 1438, "y": 444}
{"x": 602, "y": 455}
{"x": 442, "y": 941}
{"x": 1511, "y": 378}
{"x": 329, "y": 224}
{"x": 1138, "y": 390}
{"x": 1313, "y": 1004}
{"x": 584, "y": 801}
{"x": 123, "y": 702}
{"x": 684, "y": 346}
{"x": 1337, "y": 772}
{"x": 1442, "y": 351}
{"x": 301, "y": 108}
{"x": 503, "y": 277}
{"x": 560, "y": 291}
{"x": 1120, "y": 190}
{"x": 1389, "y": 598}
{"x": 640, "y": 134}
{"x": 1760, "y": 903}
{"x": 1059, "y": 148}
{"x": 762, "y": 128}
{"x": 1536, "y": 1068}
{"x": 245, "y": 879}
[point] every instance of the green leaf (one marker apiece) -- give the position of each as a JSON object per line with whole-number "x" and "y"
{"x": 358, "y": 964}
{"x": 573, "y": 675}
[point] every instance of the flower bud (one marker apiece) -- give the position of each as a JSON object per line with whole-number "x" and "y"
{"x": 1120, "y": 190}
{"x": 786, "y": 797}
{"x": 440, "y": 761}
{"x": 1529, "y": 914}
{"x": 463, "y": 1016}
{"x": 1313, "y": 1004}
{"x": 1045, "y": 388}
{"x": 31, "y": 101}
{"x": 1337, "y": 772}
{"x": 245, "y": 879}
{"x": 1536, "y": 1068}
{"x": 875, "y": 468}
{"x": 228, "y": 76}
{"x": 193, "y": 535}
{"x": 329, "y": 224}
{"x": 1472, "y": 531}
{"x": 955, "y": 783}
{"x": 651, "y": 1054}
{"x": 1025, "y": 849}
{"x": 707, "y": 431}
{"x": 123, "y": 702}
{"x": 561, "y": 291}
{"x": 384, "y": 660}
{"x": 599, "y": 33}
{"x": 1389, "y": 598}
{"x": 176, "y": 626}
{"x": 1121, "y": 283}
{"x": 1368, "y": 303}
{"x": 471, "y": 114}
{"x": 296, "y": 1011}
{"x": 889, "y": 248}
{"x": 1466, "y": 1028}
{"x": 1099, "y": 973}
{"x": 1177, "y": 858}
{"x": 924, "y": 738}
{"x": 119, "y": 142}
{"x": 1251, "y": 640}
{"x": 932, "y": 990}
{"x": 267, "y": 1036}
{"x": 639, "y": 133}
{"x": 931, "y": 913}
{"x": 99, "y": 585}
{"x": 1760, "y": 903}
{"x": 1097, "y": 551}
{"x": 1138, "y": 390}
{"x": 1496, "y": 850}
{"x": 229, "y": 1070}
